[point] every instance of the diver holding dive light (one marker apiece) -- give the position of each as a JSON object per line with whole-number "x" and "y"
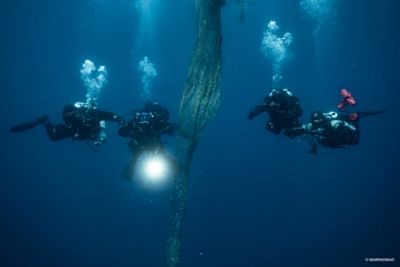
{"x": 145, "y": 130}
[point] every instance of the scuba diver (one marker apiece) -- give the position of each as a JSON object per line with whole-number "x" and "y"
{"x": 283, "y": 109}
{"x": 333, "y": 129}
{"x": 145, "y": 130}
{"x": 82, "y": 121}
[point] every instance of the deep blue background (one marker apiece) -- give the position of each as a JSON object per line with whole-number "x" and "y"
{"x": 255, "y": 199}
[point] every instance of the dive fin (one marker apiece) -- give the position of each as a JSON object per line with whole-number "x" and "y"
{"x": 91, "y": 147}
{"x": 313, "y": 149}
{"x": 24, "y": 127}
{"x": 129, "y": 171}
{"x": 29, "y": 125}
{"x": 364, "y": 114}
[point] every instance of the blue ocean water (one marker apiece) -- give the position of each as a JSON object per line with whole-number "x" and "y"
{"x": 255, "y": 199}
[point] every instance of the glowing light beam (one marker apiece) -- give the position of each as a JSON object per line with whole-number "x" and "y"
{"x": 154, "y": 168}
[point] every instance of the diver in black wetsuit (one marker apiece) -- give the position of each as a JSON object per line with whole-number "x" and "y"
{"x": 82, "y": 121}
{"x": 283, "y": 109}
{"x": 332, "y": 130}
{"x": 145, "y": 130}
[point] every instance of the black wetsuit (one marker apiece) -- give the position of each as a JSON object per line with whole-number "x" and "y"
{"x": 147, "y": 127}
{"x": 145, "y": 131}
{"x": 336, "y": 132}
{"x": 79, "y": 123}
{"x": 340, "y": 137}
{"x": 284, "y": 111}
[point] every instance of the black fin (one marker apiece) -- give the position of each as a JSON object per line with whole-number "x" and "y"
{"x": 129, "y": 171}
{"x": 24, "y": 127}
{"x": 91, "y": 147}
{"x": 364, "y": 114}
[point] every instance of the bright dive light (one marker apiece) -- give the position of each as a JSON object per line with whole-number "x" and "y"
{"x": 154, "y": 168}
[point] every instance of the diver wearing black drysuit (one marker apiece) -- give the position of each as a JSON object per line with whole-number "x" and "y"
{"x": 331, "y": 129}
{"x": 145, "y": 130}
{"x": 283, "y": 109}
{"x": 82, "y": 121}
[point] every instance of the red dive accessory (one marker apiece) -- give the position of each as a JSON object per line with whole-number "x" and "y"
{"x": 353, "y": 116}
{"x": 347, "y": 99}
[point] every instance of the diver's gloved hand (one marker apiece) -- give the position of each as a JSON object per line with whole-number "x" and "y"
{"x": 251, "y": 115}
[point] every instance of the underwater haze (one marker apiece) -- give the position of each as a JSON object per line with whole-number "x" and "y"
{"x": 255, "y": 198}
